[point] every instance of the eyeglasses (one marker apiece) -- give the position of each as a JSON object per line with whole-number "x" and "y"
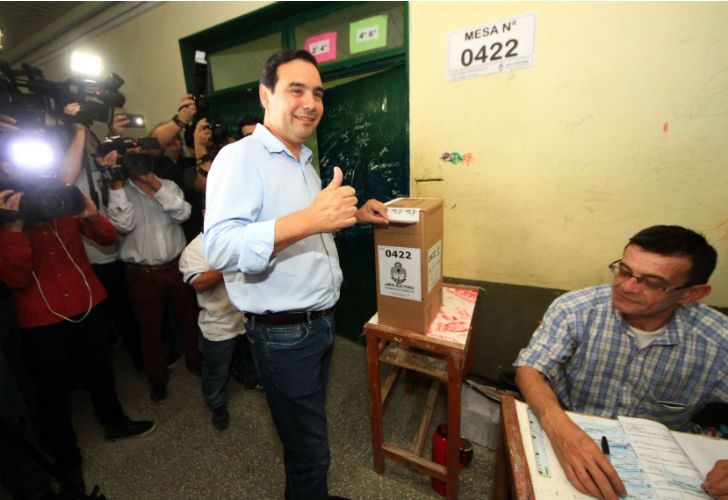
{"x": 622, "y": 271}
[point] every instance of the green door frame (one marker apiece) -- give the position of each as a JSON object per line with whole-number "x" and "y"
{"x": 283, "y": 17}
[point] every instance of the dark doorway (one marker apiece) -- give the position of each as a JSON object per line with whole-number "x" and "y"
{"x": 364, "y": 131}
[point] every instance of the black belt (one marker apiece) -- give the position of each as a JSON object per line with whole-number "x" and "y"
{"x": 287, "y": 317}
{"x": 161, "y": 267}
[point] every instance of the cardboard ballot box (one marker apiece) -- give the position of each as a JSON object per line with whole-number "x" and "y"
{"x": 409, "y": 263}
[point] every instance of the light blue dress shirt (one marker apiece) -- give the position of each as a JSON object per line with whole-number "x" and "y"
{"x": 253, "y": 182}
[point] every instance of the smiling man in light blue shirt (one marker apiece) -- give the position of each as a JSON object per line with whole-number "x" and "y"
{"x": 268, "y": 226}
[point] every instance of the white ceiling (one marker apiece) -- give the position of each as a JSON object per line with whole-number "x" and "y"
{"x": 21, "y": 20}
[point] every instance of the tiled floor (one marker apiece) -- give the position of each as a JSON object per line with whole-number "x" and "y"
{"x": 186, "y": 458}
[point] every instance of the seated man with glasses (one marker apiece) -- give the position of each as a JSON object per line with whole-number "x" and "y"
{"x": 640, "y": 347}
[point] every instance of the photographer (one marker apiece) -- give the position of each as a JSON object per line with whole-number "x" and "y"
{"x": 204, "y": 145}
{"x": 56, "y": 297}
{"x": 19, "y": 473}
{"x": 80, "y": 169}
{"x": 247, "y": 125}
{"x": 148, "y": 212}
{"x": 176, "y": 162}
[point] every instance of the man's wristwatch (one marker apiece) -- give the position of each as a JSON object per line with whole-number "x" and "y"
{"x": 179, "y": 122}
{"x": 203, "y": 159}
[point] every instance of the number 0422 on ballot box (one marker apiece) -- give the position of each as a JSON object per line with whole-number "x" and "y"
{"x": 409, "y": 263}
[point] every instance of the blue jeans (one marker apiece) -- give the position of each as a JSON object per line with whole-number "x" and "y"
{"x": 293, "y": 363}
{"x": 217, "y": 357}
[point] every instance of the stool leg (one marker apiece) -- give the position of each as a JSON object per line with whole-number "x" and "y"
{"x": 375, "y": 402}
{"x": 454, "y": 376}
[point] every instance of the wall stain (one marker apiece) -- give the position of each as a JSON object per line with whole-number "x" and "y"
{"x": 456, "y": 158}
{"x": 579, "y": 122}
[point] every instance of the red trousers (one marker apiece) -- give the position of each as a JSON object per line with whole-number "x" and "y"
{"x": 150, "y": 289}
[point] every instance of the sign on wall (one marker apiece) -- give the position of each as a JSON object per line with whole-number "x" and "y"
{"x": 322, "y": 47}
{"x": 368, "y": 34}
{"x": 492, "y": 47}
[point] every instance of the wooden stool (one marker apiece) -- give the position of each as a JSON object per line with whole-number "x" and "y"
{"x": 444, "y": 354}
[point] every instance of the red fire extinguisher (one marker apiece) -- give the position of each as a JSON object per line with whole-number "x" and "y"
{"x": 439, "y": 455}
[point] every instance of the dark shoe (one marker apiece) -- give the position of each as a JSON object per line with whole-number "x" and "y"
{"x": 72, "y": 485}
{"x": 129, "y": 429}
{"x": 220, "y": 418}
{"x": 159, "y": 393}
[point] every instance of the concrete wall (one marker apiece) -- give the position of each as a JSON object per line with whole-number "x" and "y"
{"x": 620, "y": 124}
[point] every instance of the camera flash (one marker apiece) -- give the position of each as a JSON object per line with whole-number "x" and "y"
{"x": 33, "y": 154}
{"x": 86, "y": 64}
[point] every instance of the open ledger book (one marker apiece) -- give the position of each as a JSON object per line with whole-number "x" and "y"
{"x": 652, "y": 461}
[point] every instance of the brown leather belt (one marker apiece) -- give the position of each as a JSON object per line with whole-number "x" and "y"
{"x": 162, "y": 267}
{"x": 287, "y": 317}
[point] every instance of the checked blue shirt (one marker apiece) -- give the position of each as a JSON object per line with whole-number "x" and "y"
{"x": 589, "y": 355}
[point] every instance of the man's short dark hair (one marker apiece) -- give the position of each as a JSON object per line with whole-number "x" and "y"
{"x": 269, "y": 76}
{"x": 677, "y": 240}
{"x": 249, "y": 120}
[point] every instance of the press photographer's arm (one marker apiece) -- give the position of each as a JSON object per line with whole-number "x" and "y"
{"x": 72, "y": 160}
{"x": 203, "y": 160}
{"x": 182, "y": 120}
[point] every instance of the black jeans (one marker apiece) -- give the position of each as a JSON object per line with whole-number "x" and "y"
{"x": 19, "y": 472}
{"x": 52, "y": 354}
{"x": 117, "y": 307}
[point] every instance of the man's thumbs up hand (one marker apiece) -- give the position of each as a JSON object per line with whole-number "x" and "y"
{"x": 336, "y": 180}
{"x": 334, "y": 207}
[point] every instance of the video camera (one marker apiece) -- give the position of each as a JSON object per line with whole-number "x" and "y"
{"x": 40, "y": 96}
{"x": 129, "y": 163}
{"x": 37, "y": 155}
{"x": 39, "y": 204}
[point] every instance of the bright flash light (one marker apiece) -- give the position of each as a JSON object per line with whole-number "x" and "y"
{"x": 32, "y": 154}
{"x": 138, "y": 121}
{"x": 86, "y": 64}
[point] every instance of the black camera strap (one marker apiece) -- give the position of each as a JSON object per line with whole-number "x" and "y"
{"x": 90, "y": 179}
